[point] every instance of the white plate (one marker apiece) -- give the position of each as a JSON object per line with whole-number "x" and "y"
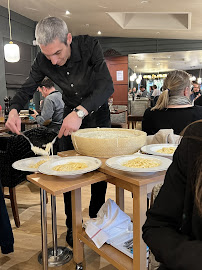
{"x": 116, "y": 163}
{"x": 92, "y": 164}
{"x": 152, "y": 148}
{"x": 23, "y": 164}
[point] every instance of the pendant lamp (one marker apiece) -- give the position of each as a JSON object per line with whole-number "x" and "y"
{"x": 11, "y": 50}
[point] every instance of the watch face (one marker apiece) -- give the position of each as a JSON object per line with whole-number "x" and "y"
{"x": 80, "y": 114}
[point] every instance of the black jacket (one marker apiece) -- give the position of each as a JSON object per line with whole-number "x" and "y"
{"x": 175, "y": 118}
{"x": 6, "y": 234}
{"x": 173, "y": 229}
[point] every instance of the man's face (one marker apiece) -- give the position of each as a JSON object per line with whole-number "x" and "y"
{"x": 42, "y": 90}
{"x": 195, "y": 87}
{"x": 142, "y": 89}
{"x": 57, "y": 52}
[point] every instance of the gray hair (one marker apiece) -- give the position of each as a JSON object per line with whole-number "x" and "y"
{"x": 49, "y": 29}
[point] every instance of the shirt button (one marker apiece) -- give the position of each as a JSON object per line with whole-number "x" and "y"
{"x": 67, "y": 72}
{"x": 72, "y": 85}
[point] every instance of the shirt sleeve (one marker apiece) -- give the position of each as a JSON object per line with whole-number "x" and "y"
{"x": 47, "y": 112}
{"x": 163, "y": 229}
{"x": 28, "y": 88}
{"x": 103, "y": 81}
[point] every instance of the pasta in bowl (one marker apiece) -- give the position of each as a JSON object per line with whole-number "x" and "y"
{"x": 139, "y": 163}
{"x": 32, "y": 164}
{"x": 164, "y": 149}
{"x": 70, "y": 166}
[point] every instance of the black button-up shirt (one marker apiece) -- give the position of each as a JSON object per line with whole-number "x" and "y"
{"x": 84, "y": 79}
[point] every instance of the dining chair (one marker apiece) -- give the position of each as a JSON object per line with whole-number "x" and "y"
{"x": 11, "y": 149}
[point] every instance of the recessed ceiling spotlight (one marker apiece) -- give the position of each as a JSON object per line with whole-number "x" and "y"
{"x": 135, "y": 66}
{"x": 67, "y": 12}
{"x": 158, "y": 64}
{"x": 158, "y": 33}
{"x": 99, "y": 32}
{"x": 144, "y": 1}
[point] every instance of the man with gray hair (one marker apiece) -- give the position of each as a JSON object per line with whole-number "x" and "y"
{"x": 78, "y": 67}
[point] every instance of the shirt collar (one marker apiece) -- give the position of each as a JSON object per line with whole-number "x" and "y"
{"x": 75, "y": 54}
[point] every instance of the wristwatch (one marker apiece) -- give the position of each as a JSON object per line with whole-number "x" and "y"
{"x": 80, "y": 113}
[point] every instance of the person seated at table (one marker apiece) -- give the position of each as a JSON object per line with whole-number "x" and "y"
{"x": 142, "y": 92}
{"x": 52, "y": 107}
{"x": 196, "y": 92}
{"x": 174, "y": 109}
{"x": 173, "y": 227}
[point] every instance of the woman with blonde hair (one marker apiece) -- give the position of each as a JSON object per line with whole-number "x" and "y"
{"x": 174, "y": 109}
{"x": 173, "y": 226}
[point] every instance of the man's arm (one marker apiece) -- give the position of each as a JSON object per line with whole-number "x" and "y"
{"x": 46, "y": 112}
{"x": 23, "y": 96}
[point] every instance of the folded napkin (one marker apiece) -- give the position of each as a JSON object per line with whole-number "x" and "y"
{"x": 110, "y": 222}
{"x": 164, "y": 136}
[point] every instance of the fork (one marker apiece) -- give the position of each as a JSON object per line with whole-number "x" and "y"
{"x": 27, "y": 139}
{"x": 52, "y": 142}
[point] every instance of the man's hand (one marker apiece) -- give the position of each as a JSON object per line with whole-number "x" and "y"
{"x": 34, "y": 114}
{"x": 70, "y": 124}
{"x": 197, "y": 96}
{"x": 14, "y": 122}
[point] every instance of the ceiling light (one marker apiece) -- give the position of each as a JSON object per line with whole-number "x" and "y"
{"x": 138, "y": 80}
{"x": 199, "y": 80}
{"x": 99, "y": 32}
{"x": 144, "y": 1}
{"x": 67, "y": 12}
{"x": 11, "y": 51}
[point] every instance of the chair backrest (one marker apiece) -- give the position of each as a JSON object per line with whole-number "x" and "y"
{"x": 12, "y": 149}
{"x": 17, "y": 147}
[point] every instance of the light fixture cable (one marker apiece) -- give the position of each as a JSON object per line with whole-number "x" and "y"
{"x": 11, "y": 50}
{"x": 9, "y": 19}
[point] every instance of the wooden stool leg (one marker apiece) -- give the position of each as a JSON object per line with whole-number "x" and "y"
{"x": 14, "y": 206}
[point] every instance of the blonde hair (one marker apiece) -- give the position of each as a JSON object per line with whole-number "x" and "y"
{"x": 174, "y": 84}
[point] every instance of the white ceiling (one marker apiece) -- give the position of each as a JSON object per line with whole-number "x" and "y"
{"x": 166, "y": 61}
{"x": 90, "y": 16}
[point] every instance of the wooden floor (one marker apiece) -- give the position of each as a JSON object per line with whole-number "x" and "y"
{"x": 28, "y": 236}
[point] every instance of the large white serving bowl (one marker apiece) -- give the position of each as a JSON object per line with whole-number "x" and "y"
{"x": 108, "y": 142}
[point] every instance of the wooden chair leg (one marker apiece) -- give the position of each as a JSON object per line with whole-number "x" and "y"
{"x": 14, "y": 206}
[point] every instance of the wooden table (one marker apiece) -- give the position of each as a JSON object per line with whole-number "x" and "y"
{"x": 55, "y": 186}
{"x": 24, "y": 122}
{"x": 139, "y": 186}
{"x": 3, "y": 129}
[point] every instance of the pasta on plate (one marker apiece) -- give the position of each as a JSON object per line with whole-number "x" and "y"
{"x": 37, "y": 164}
{"x": 140, "y": 162}
{"x": 70, "y": 166}
{"x": 166, "y": 150}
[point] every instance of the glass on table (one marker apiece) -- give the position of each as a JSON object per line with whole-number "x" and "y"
{"x": 2, "y": 116}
